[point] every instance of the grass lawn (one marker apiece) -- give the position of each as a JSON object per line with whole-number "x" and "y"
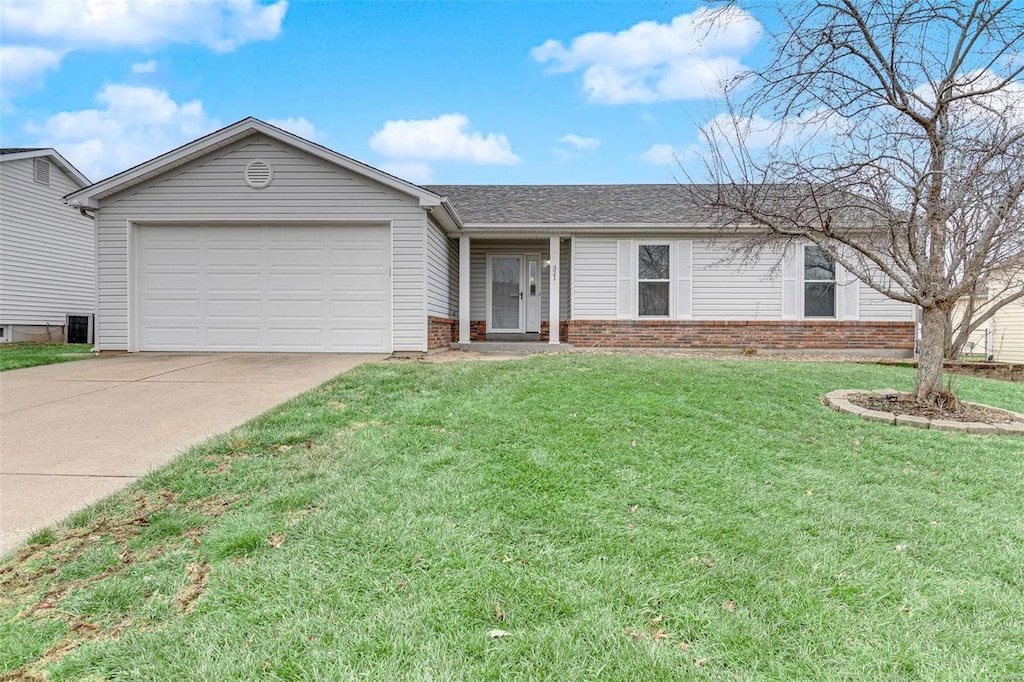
{"x": 18, "y": 355}
{"x": 624, "y": 518}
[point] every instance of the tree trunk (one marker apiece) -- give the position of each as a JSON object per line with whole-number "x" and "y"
{"x": 932, "y": 352}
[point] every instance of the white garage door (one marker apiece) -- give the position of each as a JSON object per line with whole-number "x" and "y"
{"x": 263, "y": 288}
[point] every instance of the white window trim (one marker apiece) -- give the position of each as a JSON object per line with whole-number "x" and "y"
{"x": 637, "y": 243}
{"x": 802, "y": 291}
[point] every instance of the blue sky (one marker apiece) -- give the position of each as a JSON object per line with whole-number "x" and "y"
{"x": 467, "y": 92}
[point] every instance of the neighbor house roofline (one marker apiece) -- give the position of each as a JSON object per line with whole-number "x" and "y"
{"x": 89, "y": 196}
{"x": 53, "y": 154}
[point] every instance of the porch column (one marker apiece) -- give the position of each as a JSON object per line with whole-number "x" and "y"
{"x": 464, "y": 289}
{"x": 553, "y": 305}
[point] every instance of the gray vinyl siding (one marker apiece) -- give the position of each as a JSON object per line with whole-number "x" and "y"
{"x": 47, "y": 249}
{"x": 593, "y": 278}
{"x": 304, "y": 187}
{"x": 442, "y": 272}
{"x": 879, "y": 308}
{"x": 724, "y": 287}
{"x": 478, "y": 274}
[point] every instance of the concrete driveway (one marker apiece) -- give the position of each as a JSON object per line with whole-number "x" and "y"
{"x": 72, "y": 433}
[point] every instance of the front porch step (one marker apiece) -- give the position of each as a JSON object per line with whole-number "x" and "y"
{"x": 522, "y": 347}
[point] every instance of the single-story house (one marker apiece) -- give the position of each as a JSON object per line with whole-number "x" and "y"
{"x": 254, "y": 239}
{"x": 47, "y": 249}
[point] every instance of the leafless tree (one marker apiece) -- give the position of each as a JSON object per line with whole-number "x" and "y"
{"x": 891, "y": 134}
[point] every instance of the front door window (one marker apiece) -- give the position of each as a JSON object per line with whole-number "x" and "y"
{"x": 506, "y": 292}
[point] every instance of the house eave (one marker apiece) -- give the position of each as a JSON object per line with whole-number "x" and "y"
{"x": 61, "y": 162}
{"x": 89, "y": 196}
{"x": 521, "y": 230}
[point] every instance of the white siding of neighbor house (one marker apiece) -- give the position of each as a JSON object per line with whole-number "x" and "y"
{"x": 1008, "y": 333}
{"x": 1007, "y": 327}
{"x": 47, "y": 249}
{"x": 304, "y": 188}
{"x": 442, "y": 273}
{"x": 724, "y": 287}
{"x": 478, "y": 251}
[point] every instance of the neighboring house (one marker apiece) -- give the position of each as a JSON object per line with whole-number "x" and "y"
{"x": 47, "y": 249}
{"x": 252, "y": 238}
{"x": 1001, "y": 338}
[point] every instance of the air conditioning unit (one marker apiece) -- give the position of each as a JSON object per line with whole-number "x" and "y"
{"x": 80, "y": 329}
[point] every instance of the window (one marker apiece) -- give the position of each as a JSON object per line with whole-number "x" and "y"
{"x": 653, "y": 268}
{"x": 819, "y": 283}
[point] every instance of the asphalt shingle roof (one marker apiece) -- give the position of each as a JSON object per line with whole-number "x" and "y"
{"x": 574, "y": 204}
{"x": 18, "y": 150}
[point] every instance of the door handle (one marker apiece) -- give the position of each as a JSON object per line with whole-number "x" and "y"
{"x": 520, "y": 295}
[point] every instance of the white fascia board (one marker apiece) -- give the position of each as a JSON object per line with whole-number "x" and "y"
{"x": 61, "y": 162}
{"x": 238, "y": 130}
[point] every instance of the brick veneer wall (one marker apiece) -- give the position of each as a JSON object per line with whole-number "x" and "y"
{"x": 441, "y": 331}
{"x": 777, "y": 335}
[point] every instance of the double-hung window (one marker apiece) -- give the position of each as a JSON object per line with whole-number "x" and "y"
{"x": 653, "y": 279}
{"x": 819, "y": 283}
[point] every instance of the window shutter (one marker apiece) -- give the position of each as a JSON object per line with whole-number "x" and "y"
{"x": 624, "y": 280}
{"x": 684, "y": 280}
{"x": 790, "y": 290}
{"x": 849, "y": 293}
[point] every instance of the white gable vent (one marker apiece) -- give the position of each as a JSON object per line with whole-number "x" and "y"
{"x": 41, "y": 171}
{"x": 259, "y": 174}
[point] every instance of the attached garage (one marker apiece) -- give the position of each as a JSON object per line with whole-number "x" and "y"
{"x": 271, "y": 288}
{"x": 253, "y": 239}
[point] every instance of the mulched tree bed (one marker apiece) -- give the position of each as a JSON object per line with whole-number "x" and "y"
{"x": 904, "y": 403}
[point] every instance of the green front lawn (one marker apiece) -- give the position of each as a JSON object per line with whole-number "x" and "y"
{"x": 622, "y": 518}
{"x": 18, "y": 355}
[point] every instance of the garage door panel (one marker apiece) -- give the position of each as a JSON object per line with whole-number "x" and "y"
{"x": 297, "y": 282}
{"x": 264, "y": 288}
{"x": 217, "y": 257}
{"x": 172, "y": 257}
{"x": 370, "y": 282}
{"x": 356, "y": 310}
{"x": 241, "y": 282}
{"x": 357, "y": 340}
{"x": 172, "y": 338}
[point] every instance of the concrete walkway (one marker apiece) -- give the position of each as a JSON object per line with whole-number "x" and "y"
{"x": 72, "y": 433}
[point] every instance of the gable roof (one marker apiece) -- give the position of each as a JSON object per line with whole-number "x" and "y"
{"x": 671, "y": 204}
{"x": 15, "y": 153}
{"x": 90, "y": 196}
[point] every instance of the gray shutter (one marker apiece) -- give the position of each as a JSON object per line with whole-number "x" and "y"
{"x": 684, "y": 280}
{"x": 624, "y": 280}
{"x": 849, "y": 293}
{"x": 790, "y": 290}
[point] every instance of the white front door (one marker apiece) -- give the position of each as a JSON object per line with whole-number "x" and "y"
{"x": 505, "y": 294}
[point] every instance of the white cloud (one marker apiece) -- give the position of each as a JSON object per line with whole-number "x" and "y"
{"x": 580, "y": 143}
{"x": 221, "y": 25}
{"x": 144, "y": 67}
{"x": 298, "y": 126}
{"x": 132, "y": 124}
{"x": 22, "y": 66}
{"x": 687, "y": 58}
{"x": 661, "y": 155}
{"x": 416, "y": 172}
{"x": 38, "y": 33}
{"x": 757, "y": 132}
{"x": 442, "y": 138}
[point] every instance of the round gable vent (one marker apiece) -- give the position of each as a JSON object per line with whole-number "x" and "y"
{"x": 259, "y": 174}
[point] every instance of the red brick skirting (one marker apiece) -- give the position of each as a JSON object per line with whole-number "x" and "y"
{"x": 441, "y": 331}
{"x": 778, "y": 335}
